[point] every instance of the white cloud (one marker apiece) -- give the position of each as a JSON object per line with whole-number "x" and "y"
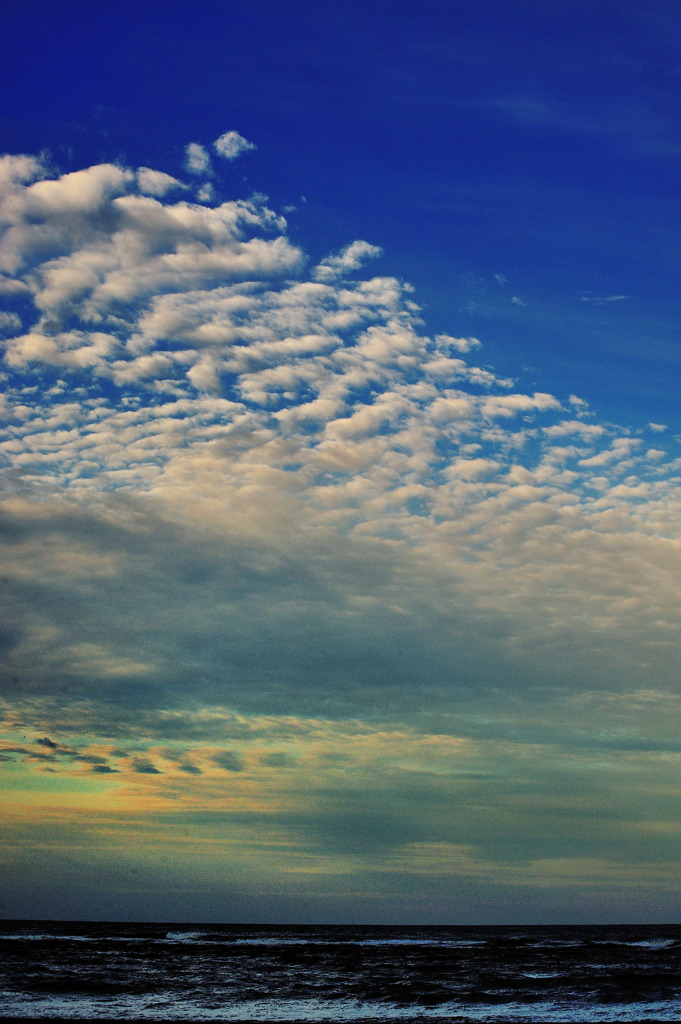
{"x": 464, "y": 345}
{"x": 10, "y": 323}
{"x": 10, "y": 286}
{"x": 17, "y": 170}
{"x": 566, "y": 427}
{"x": 74, "y": 349}
{"x": 81, "y": 192}
{"x": 197, "y": 159}
{"x": 622, "y": 448}
{"x": 472, "y": 469}
{"x": 206, "y": 193}
{"x": 156, "y": 183}
{"x": 348, "y": 259}
{"x": 54, "y": 217}
{"x": 231, "y": 145}
{"x": 150, "y": 248}
{"x": 505, "y": 406}
{"x": 453, "y": 406}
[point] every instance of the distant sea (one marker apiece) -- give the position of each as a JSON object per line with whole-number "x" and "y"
{"x": 364, "y": 975}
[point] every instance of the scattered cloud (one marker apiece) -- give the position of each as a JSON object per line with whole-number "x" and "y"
{"x": 350, "y": 258}
{"x": 231, "y": 145}
{"x": 144, "y": 767}
{"x": 206, "y": 193}
{"x": 10, "y": 323}
{"x": 45, "y": 742}
{"x": 229, "y": 760}
{"x": 197, "y": 159}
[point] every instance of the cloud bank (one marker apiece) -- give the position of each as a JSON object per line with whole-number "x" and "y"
{"x": 264, "y": 532}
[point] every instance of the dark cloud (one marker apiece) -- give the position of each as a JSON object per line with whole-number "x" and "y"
{"x": 278, "y": 759}
{"x": 144, "y": 767}
{"x": 229, "y": 760}
{"x": 417, "y": 642}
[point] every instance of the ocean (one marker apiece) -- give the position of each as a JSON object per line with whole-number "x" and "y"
{"x": 354, "y": 974}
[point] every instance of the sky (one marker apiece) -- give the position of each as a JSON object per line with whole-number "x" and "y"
{"x": 340, "y": 461}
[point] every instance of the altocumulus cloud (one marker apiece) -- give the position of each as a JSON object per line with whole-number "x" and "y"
{"x": 251, "y": 500}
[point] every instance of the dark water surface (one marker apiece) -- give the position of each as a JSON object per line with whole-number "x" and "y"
{"x": 161, "y": 972}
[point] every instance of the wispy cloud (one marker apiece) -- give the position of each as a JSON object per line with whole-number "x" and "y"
{"x": 602, "y": 300}
{"x": 634, "y": 125}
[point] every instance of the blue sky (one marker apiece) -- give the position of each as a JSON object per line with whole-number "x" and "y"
{"x": 340, "y": 440}
{"x": 466, "y": 140}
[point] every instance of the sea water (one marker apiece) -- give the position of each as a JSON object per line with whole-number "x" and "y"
{"x": 363, "y": 975}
